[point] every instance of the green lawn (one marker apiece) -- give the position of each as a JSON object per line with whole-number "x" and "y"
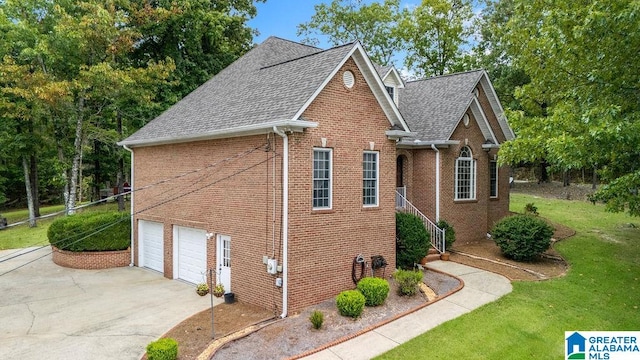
{"x": 22, "y": 236}
{"x": 601, "y": 291}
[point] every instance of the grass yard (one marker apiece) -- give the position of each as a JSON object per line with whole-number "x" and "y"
{"x": 601, "y": 291}
{"x": 22, "y": 236}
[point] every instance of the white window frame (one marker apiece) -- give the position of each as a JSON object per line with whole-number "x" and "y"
{"x": 376, "y": 178}
{"x": 314, "y": 179}
{"x": 465, "y": 159}
{"x": 493, "y": 173}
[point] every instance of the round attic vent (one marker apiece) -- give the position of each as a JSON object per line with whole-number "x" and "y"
{"x": 348, "y": 79}
{"x": 465, "y": 120}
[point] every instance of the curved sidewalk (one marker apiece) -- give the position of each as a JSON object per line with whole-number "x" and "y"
{"x": 480, "y": 287}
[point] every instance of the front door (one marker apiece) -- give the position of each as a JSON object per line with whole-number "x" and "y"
{"x": 223, "y": 261}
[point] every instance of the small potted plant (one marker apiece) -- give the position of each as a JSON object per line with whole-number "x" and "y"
{"x": 218, "y": 290}
{"x": 202, "y": 289}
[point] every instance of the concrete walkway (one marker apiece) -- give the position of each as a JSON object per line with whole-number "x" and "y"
{"x": 51, "y": 312}
{"x": 480, "y": 287}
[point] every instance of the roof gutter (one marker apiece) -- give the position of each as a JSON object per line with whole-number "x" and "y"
{"x": 255, "y": 129}
{"x": 285, "y": 220}
{"x": 427, "y": 143}
{"x": 131, "y": 204}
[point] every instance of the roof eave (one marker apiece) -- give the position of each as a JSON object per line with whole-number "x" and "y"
{"x": 423, "y": 144}
{"x": 398, "y": 134}
{"x": 257, "y": 129}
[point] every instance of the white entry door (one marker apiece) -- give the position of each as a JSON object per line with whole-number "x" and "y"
{"x": 151, "y": 245}
{"x": 223, "y": 261}
{"x": 190, "y": 255}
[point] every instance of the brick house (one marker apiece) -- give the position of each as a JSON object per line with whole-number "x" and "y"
{"x": 448, "y": 167}
{"x": 280, "y": 170}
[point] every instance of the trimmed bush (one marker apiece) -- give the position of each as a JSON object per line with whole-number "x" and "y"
{"x": 412, "y": 240}
{"x": 449, "y": 233}
{"x": 375, "y": 290}
{"x": 316, "y": 318}
{"x": 522, "y": 237}
{"x": 350, "y": 303}
{"x": 81, "y": 232}
{"x": 162, "y": 349}
{"x": 408, "y": 281}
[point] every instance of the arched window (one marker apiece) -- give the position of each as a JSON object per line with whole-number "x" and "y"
{"x": 465, "y": 186}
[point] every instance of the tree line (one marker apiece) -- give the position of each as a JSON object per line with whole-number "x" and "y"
{"x": 77, "y": 76}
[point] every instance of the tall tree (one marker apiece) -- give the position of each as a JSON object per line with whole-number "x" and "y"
{"x": 436, "y": 32}
{"x": 582, "y": 59}
{"x": 345, "y": 21}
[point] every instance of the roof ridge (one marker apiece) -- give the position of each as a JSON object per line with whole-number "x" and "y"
{"x": 448, "y": 75}
{"x": 305, "y": 56}
{"x": 294, "y": 42}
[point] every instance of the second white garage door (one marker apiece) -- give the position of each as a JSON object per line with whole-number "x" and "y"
{"x": 151, "y": 245}
{"x": 190, "y": 254}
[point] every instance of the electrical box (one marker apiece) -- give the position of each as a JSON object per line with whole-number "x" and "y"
{"x": 279, "y": 282}
{"x": 265, "y": 258}
{"x": 272, "y": 266}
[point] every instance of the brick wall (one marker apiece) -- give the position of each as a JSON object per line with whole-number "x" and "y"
{"x": 324, "y": 243}
{"x": 233, "y": 195}
{"x": 91, "y": 260}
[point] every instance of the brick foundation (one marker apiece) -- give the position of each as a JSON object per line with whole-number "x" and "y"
{"x": 91, "y": 260}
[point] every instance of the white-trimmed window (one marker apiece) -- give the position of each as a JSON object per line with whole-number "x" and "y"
{"x": 465, "y": 186}
{"x": 493, "y": 179}
{"x": 322, "y": 173}
{"x": 370, "y": 181}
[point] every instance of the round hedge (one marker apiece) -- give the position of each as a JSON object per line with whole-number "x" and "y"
{"x": 91, "y": 231}
{"x": 163, "y": 349}
{"x": 522, "y": 237}
{"x": 375, "y": 290}
{"x": 412, "y": 240}
{"x": 350, "y": 303}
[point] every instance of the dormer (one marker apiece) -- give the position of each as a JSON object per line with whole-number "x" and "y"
{"x": 392, "y": 81}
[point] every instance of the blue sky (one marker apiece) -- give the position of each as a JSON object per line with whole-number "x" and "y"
{"x": 281, "y": 17}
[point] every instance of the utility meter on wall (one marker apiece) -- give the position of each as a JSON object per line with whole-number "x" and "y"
{"x": 272, "y": 266}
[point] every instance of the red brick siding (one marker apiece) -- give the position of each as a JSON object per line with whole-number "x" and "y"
{"x": 91, "y": 260}
{"x": 240, "y": 206}
{"x": 323, "y": 243}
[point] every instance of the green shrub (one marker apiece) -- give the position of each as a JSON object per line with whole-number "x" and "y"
{"x": 316, "y": 318}
{"x": 408, "y": 281}
{"x": 522, "y": 237}
{"x": 412, "y": 240}
{"x": 162, "y": 349}
{"x": 350, "y": 303}
{"x": 449, "y": 233}
{"x": 375, "y": 290}
{"x": 531, "y": 209}
{"x": 80, "y": 232}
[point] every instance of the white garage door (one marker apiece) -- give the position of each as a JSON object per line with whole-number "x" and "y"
{"x": 151, "y": 236}
{"x": 191, "y": 254}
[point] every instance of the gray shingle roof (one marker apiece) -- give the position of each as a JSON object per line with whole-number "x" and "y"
{"x": 432, "y": 107}
{"x": 271, "y": 82}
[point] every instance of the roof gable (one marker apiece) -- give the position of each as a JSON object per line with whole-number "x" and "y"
{"x": 272, "y": 84}
{"x": 434, "y": 107}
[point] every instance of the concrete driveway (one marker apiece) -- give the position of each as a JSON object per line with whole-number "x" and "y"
{"x": 51, "y": 312}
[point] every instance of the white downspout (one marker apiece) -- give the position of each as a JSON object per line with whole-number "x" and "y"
{"x": 433, "y": 146}
{"x": 132, "y": 186}
{"x": 285, "y": 220}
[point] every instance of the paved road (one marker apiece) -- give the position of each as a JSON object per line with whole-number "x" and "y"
{"x": 51, "y": 312}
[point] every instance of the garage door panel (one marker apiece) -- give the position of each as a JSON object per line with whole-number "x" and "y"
{"x": 192, "y": 254}
{"x": 151, "y": 235}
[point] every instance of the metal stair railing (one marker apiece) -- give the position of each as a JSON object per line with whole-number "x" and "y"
{"x": 436, "y": 234}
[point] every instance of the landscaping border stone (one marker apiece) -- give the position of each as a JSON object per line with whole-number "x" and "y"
{"x": 91, "y": 260}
